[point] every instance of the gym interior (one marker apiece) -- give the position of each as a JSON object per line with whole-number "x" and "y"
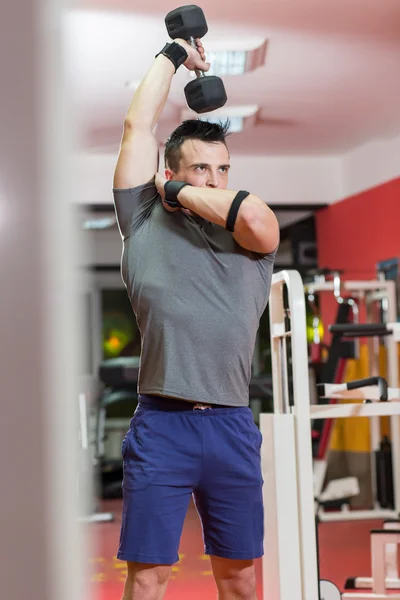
{"x": 313, "y": 91}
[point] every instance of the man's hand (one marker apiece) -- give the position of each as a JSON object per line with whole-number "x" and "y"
{"x": 160, "y": 181}
{"x": 196, "y": 58}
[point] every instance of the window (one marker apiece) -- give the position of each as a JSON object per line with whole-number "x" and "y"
{"x": 227, "y": 63}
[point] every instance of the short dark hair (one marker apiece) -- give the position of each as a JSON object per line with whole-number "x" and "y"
{"x": 193, "y": 129}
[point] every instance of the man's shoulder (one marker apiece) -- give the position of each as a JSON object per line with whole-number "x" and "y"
{"x": 147, "y": 189}
{"x": 133, "y": 206}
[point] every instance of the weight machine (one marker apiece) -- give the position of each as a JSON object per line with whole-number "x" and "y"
{"x": 378, "y": 298}
{"x": 290, "y": 563}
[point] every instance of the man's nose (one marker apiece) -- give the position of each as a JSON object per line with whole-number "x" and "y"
{"x": 213, "y": 180}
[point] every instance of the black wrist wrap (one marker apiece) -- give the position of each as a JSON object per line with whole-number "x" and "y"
{"x": 176, "y": 54}
{"x": 172, "y": 189}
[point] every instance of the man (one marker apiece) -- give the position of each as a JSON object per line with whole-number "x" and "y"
{"x": 197, "y": 263}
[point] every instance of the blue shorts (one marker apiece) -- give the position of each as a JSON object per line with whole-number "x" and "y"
{"x": 171, "y": 453}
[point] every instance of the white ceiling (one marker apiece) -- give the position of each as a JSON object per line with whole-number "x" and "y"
{"x": 331, "y": 79}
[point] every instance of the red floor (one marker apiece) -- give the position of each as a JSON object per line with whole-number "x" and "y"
{"x": 344, "y": 552}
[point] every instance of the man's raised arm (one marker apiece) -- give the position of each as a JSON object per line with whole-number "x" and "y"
{"x": 138, "y": 155}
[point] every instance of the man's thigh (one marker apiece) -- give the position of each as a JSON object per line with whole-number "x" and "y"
{"x": 159, "y": 477}
{"x": 229, "y": 498}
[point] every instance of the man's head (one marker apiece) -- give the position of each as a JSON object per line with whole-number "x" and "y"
{"x": 196, "y": 152}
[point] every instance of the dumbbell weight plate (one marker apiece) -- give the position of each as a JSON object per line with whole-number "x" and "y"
{"x": 328, "y": 590}
{"x": 205, "y": 94}
{"x": 186, "y": 22}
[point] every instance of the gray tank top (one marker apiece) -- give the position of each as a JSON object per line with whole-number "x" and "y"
{"x": 198, "y": 297}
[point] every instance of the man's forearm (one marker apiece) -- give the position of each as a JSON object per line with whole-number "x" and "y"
{"x": 256, "y": 227}
{"x": 213, "y": 204}
{"x": 151, "y": 95}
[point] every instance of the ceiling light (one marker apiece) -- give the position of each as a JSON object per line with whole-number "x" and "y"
{"x": 227, "y": 63}
{"x": 236, "y": 61}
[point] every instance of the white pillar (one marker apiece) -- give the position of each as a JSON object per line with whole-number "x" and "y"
{"x": 41, "y": 553}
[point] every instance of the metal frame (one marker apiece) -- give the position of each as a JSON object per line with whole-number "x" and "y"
{"x": 290, "y": 563}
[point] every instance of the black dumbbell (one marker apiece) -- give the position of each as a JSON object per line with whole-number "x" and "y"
{"x": 205, "y": 93}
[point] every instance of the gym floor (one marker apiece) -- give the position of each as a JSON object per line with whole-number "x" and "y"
{"x": 344, "y": 552}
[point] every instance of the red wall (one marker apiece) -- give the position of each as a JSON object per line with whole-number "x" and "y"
{"x": 356, "y": 233}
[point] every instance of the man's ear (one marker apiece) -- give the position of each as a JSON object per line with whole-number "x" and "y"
{"x": 168, "y": 174}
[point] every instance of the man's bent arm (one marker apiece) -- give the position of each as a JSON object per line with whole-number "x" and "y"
{"x": 256, "y": 228}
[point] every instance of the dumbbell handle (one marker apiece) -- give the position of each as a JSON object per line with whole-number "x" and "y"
{"x": 199, "y": 73}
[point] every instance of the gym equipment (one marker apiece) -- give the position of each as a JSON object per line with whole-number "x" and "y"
{"x": 385, "y": 570}
{"x": 290, "y": 563}
{"x": 380, "y": 539}
{"x": 118, "y": 373}
{"x": 205, "y": 93}
{"x": 384, "y": 474}
{"x": 379, "y": 299}
{"x": 331, "y": 389}
{"x": 390, "y": 269}
{"x": 339, "y": 493}
{"x": 381, "y": 456}
{"x": 328, "y": 590}
{"x": 116, "y": 406}
{"x": 315, "y": 328}
{"x": 88, "y": 473}
{"x": 361, "y": 389}
{"x": 353, "y": 346}
{"x": 332, "y": 369}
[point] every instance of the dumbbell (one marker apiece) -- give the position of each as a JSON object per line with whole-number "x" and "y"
{"x": 205, "y": 93}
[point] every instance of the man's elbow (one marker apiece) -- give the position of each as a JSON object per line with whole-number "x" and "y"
{"x": 262, "y": 225}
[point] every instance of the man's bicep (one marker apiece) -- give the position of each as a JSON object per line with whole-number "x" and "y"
{"x": 138, "y": 159}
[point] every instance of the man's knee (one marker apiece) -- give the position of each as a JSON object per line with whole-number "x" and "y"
{"x": 235, "y": 578}
{"x": 151, "y": 575}
{"x": 241, "y": 586}
{"x": 146, "y": 581}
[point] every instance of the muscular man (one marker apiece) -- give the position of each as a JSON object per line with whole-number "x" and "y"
{"x": 197, "y": 263}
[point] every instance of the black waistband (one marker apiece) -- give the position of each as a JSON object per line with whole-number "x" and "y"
{"x": 161, "y": 403}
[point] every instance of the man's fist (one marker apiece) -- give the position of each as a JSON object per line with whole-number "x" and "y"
{"x": 160, "y": 182}
{"x": 196, "y": 58}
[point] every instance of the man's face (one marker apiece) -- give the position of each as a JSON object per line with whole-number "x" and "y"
{"x": 202, "y": 165}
